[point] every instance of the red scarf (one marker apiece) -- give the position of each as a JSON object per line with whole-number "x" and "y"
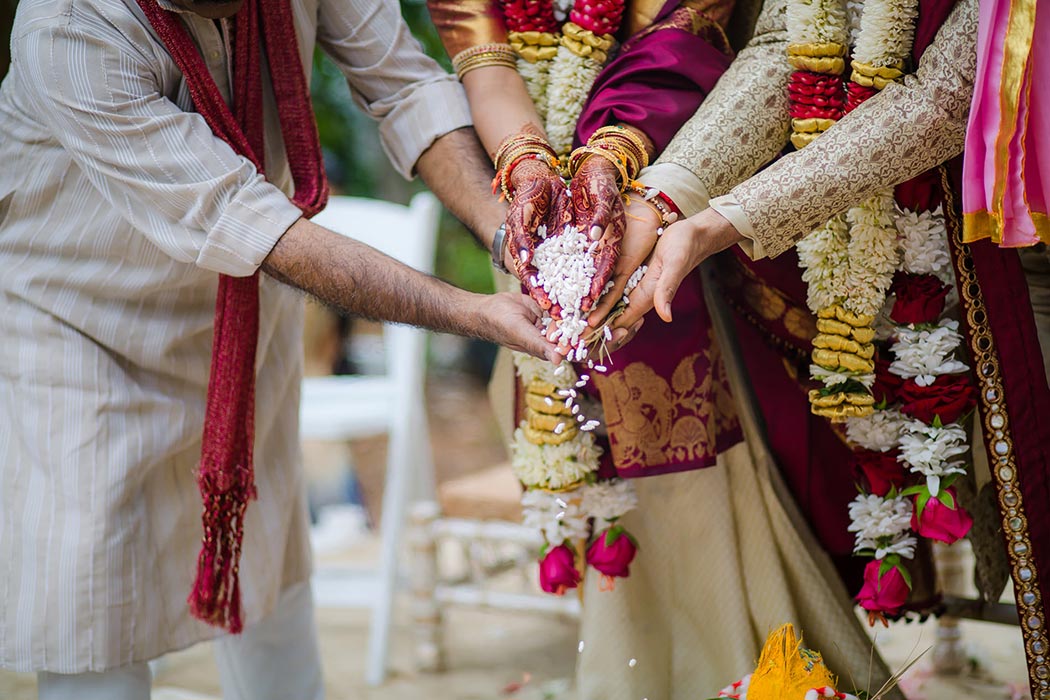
{"x": 226, "y": 478}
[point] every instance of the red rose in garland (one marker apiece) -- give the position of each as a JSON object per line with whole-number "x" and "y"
{"x": 883, "y": 594}
{"x": 887, "y": 384}
{"x": 558, "y": 570}
{"x": 950, "y": 397}
{"x": 611, "y": 553}
{"x": 920, "y": 298}
{"x": 941, "y": 523}
{"x": 881, "y": 470}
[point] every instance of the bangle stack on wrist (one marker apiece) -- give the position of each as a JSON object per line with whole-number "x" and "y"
{"x": 618, "y": 145}
{"x": 482, "y": 56}
{"x": 512, "y": 152}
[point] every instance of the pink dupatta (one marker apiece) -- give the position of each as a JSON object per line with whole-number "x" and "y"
{"x": 1006, "y": 171}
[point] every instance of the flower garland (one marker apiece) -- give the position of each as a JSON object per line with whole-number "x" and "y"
{"x": 880, "y": 272}
{"x": 554, "y": 454}
{"x": 532, "y": 31}
{"x": 584, "y": 46}
{"x": 555, "y": 457}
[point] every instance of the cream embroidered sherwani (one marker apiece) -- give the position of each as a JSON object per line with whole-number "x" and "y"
{"x": 118, "y": 207}
{"x": 744, "y": 123}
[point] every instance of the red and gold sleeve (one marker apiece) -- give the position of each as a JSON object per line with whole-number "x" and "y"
{"x": 473, "y": 32}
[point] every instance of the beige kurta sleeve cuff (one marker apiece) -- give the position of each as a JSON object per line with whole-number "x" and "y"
{"x": 731, "y": 210}
{"x": 248, "y": 229}
{"x": 428, "y": 112}
{"x": 679, "y": 183}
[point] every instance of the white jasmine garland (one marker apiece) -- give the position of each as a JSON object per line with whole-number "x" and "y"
{"x": 554, "y": 466}
{"x": 817, "y": 22}
{"x": 903, "y": 545}
{"x": 887, "y": 29}
{"x": 536, "y": 75}
{"x": 823, "y": 254}
{"x": 882, "y": 524}
{"x": 872, "y": 252}
{"x": 931, "y": 451}
{"x": 609, "y": 500}
{"x": 834, "y": 377}
{"x": 571, "y": 78}
{"x": 926, "y": 353}
{"x": 924, "y": 241}
{"x": 532, "y": 368}
{"x": 879, "y": 432}
{"x": 556, "y": 515}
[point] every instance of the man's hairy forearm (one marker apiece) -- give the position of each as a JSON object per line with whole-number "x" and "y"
{"x": 361, "y": 281}
{"x": 457, "y": 169}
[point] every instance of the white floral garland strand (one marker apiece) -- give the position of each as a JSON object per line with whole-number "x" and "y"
{"x": 536, "y": 75}
{"x": 817, "y": 22}
{"x": 887, "y": 32}
{"x": 873, "y": 254}
{"x": 571, "y": 79}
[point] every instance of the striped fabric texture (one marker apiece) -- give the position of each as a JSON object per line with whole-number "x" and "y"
{"x": 118, "y": 207}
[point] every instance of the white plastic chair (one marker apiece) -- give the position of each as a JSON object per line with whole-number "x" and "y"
{"x": 341, "y": 408}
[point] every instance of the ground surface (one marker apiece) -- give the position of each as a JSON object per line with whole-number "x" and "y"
{"x": 523, "y": 657}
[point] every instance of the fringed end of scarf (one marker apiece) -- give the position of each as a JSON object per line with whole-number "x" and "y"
{"x": 216, "y": 595}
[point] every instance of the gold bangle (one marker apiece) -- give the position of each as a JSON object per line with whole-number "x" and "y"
{"x": 580, "y": 154}
{"x": 482, "y": 56}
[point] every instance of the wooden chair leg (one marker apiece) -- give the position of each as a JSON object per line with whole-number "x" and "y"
{"x": 426, "y": 612}
{"x": 949, "y": 652}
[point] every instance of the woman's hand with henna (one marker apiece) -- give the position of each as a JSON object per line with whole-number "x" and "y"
{"x": 597, "y": 208}
{"x": 539, "y": 199}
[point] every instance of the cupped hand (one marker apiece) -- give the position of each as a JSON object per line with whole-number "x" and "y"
{"x": 639, "y": 239}
{"x": 512, "y": 320}
{"x": 540, "y": 199}
{"x": 682, "y": 247}
{"x": 597, "y": 208}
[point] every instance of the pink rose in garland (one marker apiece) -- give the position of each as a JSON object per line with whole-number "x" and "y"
{"x": 920, "y": 298}
{"x": 949, "y": 398}
{"x": 883, "y": 595}
{"x": 881, "y": 469}
{"x": 558, "y": 570}
{"x": 941, "y": 522}
{"x": 611, "y": 554}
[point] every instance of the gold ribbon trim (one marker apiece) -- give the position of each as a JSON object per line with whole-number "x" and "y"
{"x": 983, "y": 224}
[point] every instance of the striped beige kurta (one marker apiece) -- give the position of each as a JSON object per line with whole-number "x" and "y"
{"x": 118, "y": 207}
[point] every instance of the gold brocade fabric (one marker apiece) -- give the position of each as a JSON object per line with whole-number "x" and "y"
{"x": 654, "y": 422}
{"x": 640, "y": 14}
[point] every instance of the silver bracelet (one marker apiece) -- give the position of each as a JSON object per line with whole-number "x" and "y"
{"x": 499, "y": 245}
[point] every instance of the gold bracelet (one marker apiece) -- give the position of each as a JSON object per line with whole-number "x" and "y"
{"x": 581, "y": 153}
{"x": 625, "y": 143}
{"x": 482, "y": 56}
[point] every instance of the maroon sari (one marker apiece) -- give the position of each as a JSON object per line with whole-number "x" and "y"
{"x": 666, "y": 395}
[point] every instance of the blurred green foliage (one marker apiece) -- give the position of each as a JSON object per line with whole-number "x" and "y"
{"x": 357, "y": 165}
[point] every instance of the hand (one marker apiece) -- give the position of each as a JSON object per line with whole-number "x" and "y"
{"x": 638, "y": 241}
{"x": 684, "y": 245}
{"x": 539, "y": 200}
{"x": 512, "y": 320}
{"x": 598, "y": 209}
